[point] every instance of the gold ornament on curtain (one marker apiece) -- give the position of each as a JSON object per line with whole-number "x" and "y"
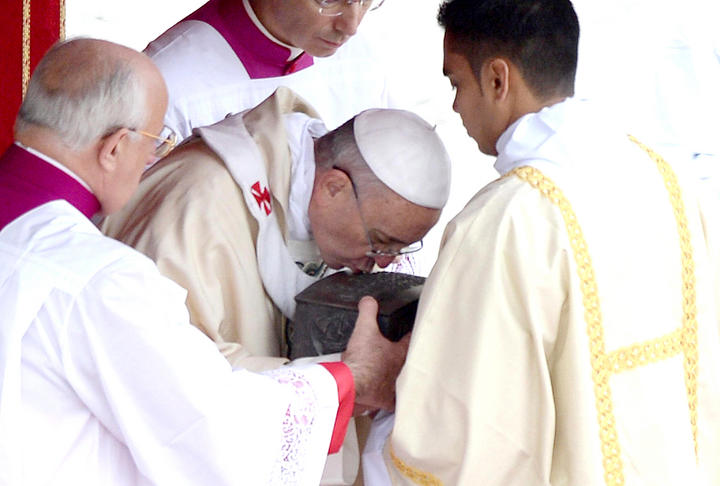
{"x": 26, "y": 35}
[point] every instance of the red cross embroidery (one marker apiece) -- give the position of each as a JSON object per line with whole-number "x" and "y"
{"x": 262, "y": 196}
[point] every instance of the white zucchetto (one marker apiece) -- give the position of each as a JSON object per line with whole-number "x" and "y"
{"x": 406, "y": 154}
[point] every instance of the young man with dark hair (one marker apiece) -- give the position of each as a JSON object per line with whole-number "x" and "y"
{"x": 568, "y": 333}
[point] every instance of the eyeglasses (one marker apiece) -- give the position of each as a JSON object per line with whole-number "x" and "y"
{"x": 334, "y": 8}
{"x": 163, "y": 143}
{"x": 374, "y": 252}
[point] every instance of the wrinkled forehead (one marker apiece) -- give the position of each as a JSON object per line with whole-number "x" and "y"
{"x": 396, "y": 219}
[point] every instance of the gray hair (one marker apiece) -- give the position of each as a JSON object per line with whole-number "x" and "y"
{"x": 339, "y": 149}
{"x": 83, "y": 93}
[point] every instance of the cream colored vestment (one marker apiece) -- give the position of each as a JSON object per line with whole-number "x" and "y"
{"x": 189, "y": 215}
{"x": 500, "y": 387}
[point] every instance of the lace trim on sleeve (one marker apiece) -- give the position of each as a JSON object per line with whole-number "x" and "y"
{"x": 297, "y": 427}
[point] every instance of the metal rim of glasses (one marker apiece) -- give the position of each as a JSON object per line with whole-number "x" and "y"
{"x": 333, "y": 8}
{"x": 163, "y": 144}
{"x": 412, "y": 248}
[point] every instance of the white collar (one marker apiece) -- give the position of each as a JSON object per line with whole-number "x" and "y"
{"x": 55, "y": 164}
{"x": 533, "y": 137}
{"x": 301, "y": 134}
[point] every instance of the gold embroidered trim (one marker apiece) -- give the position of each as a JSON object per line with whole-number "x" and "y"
{"x": 682, "y": 340}
{"x": 689, "y": 326}
{"x": 61, "y": 34}
{"x": 25, "y": 46}
{"x": 414, "y": 474}
{"x": 601, "y": 370}
{"x": 27, "y": 35}
{"x": 627, "y": 358}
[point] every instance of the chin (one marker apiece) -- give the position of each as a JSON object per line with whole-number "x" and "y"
{"x": 322, "y": 53}
{"x": 334, "y": 265}
{"x": 487, "y": 149}
{"x": 323, "y": 49}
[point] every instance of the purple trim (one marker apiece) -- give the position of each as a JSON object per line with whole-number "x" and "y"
{"x": 27, "y": 181}
{"x": 261, "y": 57}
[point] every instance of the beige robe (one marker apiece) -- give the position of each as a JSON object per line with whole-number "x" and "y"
{"x": 500, "y": 387}
{"x": 189, "y": 216}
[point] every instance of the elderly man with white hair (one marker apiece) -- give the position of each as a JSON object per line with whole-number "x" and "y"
{"x": 229, "y": 213}
{"x": 102, "y": 378}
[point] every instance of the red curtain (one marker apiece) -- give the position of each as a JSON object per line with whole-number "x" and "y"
{"x": 29, "y": 28}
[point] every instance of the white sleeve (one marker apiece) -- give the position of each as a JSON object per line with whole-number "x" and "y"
{"x": 374, "y": 468}
{"x": 162, "y": 388}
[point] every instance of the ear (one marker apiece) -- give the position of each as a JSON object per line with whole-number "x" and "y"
{"x": 496, "y": 78}
{"x": 112, "y": 148}
{"x": 334, "y": 183}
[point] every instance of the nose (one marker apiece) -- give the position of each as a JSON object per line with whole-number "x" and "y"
{"x": 384, "y": 261}
{"x": 348, "y": 22}
{"x": 363, "y": 265}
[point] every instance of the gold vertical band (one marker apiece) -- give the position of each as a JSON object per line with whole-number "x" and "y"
{"x": 62, "y": 20}
{"x": 690, "y": 325}
{"x": 25, "y": 46}
{"x": 601, "y": 371}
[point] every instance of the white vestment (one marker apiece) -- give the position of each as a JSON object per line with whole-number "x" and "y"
{"x": 103, "y": 380}
{"x": 500, "y": 386}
